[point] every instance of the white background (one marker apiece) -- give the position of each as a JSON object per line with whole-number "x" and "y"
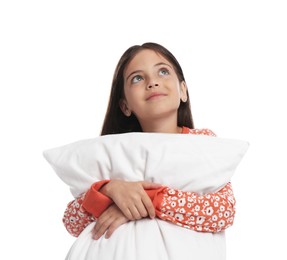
{"x": 56, "y": 64}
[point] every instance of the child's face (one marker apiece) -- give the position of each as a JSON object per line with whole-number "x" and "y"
{"x": 152, "y": 89}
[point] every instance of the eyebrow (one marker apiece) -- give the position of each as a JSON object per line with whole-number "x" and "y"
{"x": 156, "y": 65}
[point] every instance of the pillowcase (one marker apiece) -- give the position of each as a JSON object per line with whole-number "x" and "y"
{"x": 196, "y": 163}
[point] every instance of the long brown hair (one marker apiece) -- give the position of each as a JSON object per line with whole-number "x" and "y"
{"x": 115, "y": 121}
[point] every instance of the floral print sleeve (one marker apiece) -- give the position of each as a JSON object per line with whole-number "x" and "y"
{"x": 76, "y": 218}
{"x": 211, "y": 212}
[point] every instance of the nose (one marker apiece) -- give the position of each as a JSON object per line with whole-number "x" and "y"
{"x": 152, "y": 85}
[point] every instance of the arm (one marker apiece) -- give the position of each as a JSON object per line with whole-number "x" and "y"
{"x": 92, "y": 204}
{"x": 76, "y": 218}
{"x": 212, "y": 212}
{"x": 82, "y": 211}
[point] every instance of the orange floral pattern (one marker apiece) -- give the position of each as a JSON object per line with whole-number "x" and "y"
{"x": 76, "y": 218}
{"x": 212, "y": 212}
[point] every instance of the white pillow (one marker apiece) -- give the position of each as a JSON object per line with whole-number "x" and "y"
{"x": 183, "y": 161}
{"x": 188, "y": 162}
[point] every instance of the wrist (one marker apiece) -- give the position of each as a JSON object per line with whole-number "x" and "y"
{"x": 95, "y": 202}
{"x": 109, "y": 187}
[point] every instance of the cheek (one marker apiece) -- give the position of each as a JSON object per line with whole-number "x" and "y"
{"x": 177, "y": 95}
{"x": 177, "y": 92}
{"x": 132, "y": 98}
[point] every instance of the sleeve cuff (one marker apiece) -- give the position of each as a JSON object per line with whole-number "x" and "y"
{"x": 95, "y": 202}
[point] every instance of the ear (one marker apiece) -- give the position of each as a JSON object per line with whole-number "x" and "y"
{"x": 183, "y": 92}
{"x": 124, "y": 107}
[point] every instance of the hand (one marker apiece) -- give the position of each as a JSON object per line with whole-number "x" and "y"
{"x": 108, "y": 222}
{"x": 131, "y": 197}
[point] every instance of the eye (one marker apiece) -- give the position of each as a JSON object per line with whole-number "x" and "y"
{"x": 163, "y": 71}
{"x": 136, "y": 79}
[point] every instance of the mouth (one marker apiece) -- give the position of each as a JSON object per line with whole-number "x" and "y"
{"x": 155, "y": 95}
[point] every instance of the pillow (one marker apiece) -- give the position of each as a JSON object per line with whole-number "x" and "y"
{"x": 188, "y": 162}
{"x": 183, "y": 161}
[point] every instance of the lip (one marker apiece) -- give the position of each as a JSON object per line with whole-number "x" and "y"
{"x": 155, "y": 95}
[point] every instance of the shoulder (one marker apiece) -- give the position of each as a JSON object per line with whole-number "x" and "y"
{"x": 198, "y": 131}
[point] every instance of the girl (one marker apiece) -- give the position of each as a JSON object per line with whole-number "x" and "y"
{"x": 148, "y": 94}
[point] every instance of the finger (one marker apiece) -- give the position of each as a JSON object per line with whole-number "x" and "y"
{"x": 135, "y": 213}
{"x": 114, "y": 226}
{"x": 102, "y": 223}
{"x": 102, "y": 219}
{"x": 149, "y": 206}
{"x": 124, "y": 208}
{"x": 103, "y": 228}
{"x": 142, "y": 209}
{"x": 150, "y": 185}
{"x": 128, "y": 214}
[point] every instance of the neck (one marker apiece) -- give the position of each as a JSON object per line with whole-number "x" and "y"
{"x": 161, "y": 126}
